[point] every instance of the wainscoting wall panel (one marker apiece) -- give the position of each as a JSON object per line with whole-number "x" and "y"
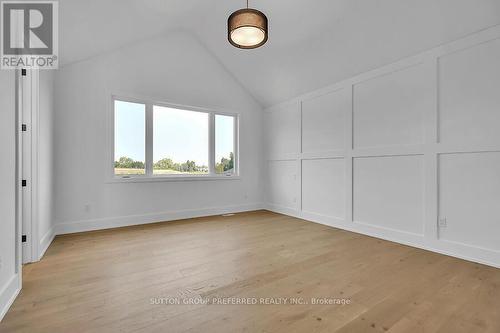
{"x": 323, "y": 122}
{"x": 469, "y": 98}
{"x": 390, "y": 109}
{"x": 388, "y": 192}
{"x": 323, "y": 187}
{"x": 469, "y": 199}
{"x": 282, "y": 183}
{"x": 409, "y": 152}
{"x": 281, "y": 131}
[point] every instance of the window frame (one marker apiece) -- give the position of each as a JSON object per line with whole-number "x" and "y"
{"x": 149, "y": 176}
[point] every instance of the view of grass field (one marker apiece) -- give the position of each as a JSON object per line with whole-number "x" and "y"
{"x": 131, "y": 171}
{"x": 127, "y": 166}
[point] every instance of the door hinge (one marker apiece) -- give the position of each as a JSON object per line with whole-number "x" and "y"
{"x": 23, "y": 182}
{"x": 23, "y": 71}
{"x": 23, "y": 127}
{"x": 23, "y": 238}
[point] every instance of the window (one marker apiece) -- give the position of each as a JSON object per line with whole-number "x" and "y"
{"x": 156, "y": 140}
{"x": 180, "y": 141}
{"x": 130, "y": 136}
{"x": 224, "y": 144}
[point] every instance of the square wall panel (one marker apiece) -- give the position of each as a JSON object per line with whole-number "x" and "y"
{"x": 469, "y": 93}
{"x": 389, "y": 110}
{"x": 323, "y": 187}
{"x": 469, "y": 198}
{"x": 388, "y": 192}
{"x": 282, "y": 184}
{"x": 323, "y": 122}
{"x": 283, "y": 131}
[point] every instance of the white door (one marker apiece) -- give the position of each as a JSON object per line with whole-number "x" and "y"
{"x": 26, "y": 120}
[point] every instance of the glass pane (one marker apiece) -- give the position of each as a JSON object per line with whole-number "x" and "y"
{"x": 224, "y": 144}
{"x": 180, "y": 141}
{"x": 130, "y": 138}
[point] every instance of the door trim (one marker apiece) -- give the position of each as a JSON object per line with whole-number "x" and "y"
{"x": 19, "y": 173}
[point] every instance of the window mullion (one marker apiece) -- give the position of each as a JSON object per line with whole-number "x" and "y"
{"x": 149, "y": 139}
{"x": 211, "y": 143}
{"x": 236, "y": 145}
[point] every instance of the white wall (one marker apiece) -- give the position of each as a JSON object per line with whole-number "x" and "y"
{"x": 176, "y": 69}
{"x": 409, "y": 152}
{"x": 9, "y": 280}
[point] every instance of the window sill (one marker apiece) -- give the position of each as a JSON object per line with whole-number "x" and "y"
{"x": 153, "y": 179}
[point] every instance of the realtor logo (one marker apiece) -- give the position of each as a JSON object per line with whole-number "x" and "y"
{"x": 29, "y": 34}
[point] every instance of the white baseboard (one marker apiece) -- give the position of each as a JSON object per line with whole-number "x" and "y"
{"x": 130, "y": 220}
{"x": 46, "y": 241}
{"x": 9, "y": 293}
{"x": 124, "y": 221}
{"x": 457, "y": 250}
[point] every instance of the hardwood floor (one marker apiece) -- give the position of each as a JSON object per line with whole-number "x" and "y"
{"x": 109, "y": 281}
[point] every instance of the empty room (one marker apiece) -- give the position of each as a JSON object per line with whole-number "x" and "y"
{"x": 250, "y": 166}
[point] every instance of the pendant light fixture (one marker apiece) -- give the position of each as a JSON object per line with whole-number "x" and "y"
{"x": 247, "y": 28}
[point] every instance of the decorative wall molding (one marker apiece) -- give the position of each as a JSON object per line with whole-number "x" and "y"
{"x": 429, "y": 79}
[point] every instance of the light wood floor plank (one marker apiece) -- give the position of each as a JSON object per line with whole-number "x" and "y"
{"x": 104, "y": 281}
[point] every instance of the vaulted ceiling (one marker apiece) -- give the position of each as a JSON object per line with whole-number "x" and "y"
{"x": 311, "y": 43}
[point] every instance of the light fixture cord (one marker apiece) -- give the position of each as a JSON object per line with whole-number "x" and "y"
{"x": 247, "y": 4}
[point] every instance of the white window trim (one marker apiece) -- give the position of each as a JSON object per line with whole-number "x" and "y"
{"x": 149, "y": 176}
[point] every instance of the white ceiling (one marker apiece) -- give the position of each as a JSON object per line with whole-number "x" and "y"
{"x": 311, "y": 43}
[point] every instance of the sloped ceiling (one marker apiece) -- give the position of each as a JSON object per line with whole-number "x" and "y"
{"x": 311, "y": 43}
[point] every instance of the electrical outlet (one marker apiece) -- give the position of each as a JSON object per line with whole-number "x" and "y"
{"x": 442, "y": 222}
{"x": 87, "y": 208}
